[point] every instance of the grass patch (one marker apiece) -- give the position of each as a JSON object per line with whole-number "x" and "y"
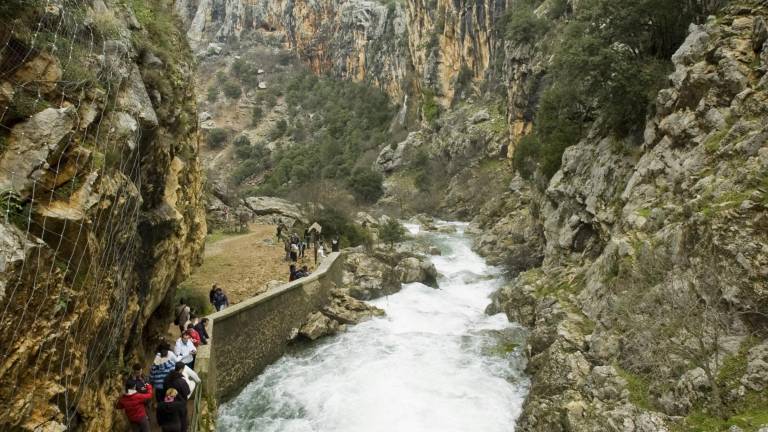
{"x": 638, "y": 388}
{"x": 712, "y": 144}
{"x": 644, "y": 212}
{"x": 220, "y": 235}
{"x": 198, "y": 302}
{"x": 561, "y": 289}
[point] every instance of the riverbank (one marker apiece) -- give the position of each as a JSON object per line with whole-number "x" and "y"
{"x": 244, "y": 265}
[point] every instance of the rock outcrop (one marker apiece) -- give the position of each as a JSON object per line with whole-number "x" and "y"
{"x": 275, "y": 210}
{"x": 653, "y": 257}
{"x": 343, "y": 310}
{"x": 370, "y": 275}
{"x": 101, "y": 196}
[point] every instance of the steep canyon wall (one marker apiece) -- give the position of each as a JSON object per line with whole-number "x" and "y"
{"x": 101, "y": 199}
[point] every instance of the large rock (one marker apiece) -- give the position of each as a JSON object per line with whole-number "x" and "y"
{"x": 394, "y": 157}
{"x": 41, "y": 72}
{"x": 318, "y": 325}
{"x": 756, "y": 376}
{"x": 269, "y": 206}
{"x": 416, "y": 269}
{"x": 33, "y": 147}
{"x": 348, "y": 310}
{"x": 369, "y": 275}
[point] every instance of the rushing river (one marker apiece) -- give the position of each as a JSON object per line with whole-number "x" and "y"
{"x": 436, "y": 362}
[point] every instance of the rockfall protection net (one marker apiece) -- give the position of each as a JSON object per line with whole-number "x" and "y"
{"x": 78, "y": 212}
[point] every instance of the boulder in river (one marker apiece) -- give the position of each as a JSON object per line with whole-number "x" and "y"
{"x": 369, "y": 275}
{"x": 318, "y": 325}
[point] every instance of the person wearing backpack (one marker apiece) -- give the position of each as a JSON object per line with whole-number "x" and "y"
{"x": 182, "y": 315}
{"x": 220, "y": 300}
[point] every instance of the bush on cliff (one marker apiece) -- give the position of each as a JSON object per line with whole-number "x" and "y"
{"x": 610, "y": 62}
{"x": 216, "y": 138}
{"x": 521, "y": 25}
{"x": 366, "y": 185}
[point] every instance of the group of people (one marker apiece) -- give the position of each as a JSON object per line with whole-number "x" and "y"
{"x": 296, "y": 247}
{"x": 172, "y": 378}
{"x": 295, "y": 273}
{"x": 171, "y": 383}
{"x": 217, "y": 298}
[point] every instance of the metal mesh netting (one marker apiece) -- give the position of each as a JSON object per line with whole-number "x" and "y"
{"x": 76, "y": 124}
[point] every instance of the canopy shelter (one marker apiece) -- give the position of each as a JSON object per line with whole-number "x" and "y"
{"x": 316, "y": 228}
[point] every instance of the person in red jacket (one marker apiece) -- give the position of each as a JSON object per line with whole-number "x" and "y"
{"x": 133, "y": 404}
{"x": 193, "y": 334}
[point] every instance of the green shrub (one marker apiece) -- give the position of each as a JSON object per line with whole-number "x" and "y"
{"x": 256, "y": 115}
{"x": 217, "y": 137}
{"x": 213, "y": 94}
{"x": 610, "y": 62}
{"x": 232, "y": 90}
{"x": 242, "y": 141}
{"x": 279, "y": 130}
{"x": 391, "y": 232}
{"x": 196, "y": 299}
{"x": 366, "y": 185}
{"x": 521, "y": 25}
{"x": 336, "y": 223}
{"x": 430, "y": 108}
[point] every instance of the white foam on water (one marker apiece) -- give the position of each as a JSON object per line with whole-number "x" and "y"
{"x": 425, "y": 367}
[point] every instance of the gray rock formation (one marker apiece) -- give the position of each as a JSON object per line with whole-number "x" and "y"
{"x": 645, "y": 250}
{"x": 343, "y": 310}
{"x": 370, "y": 275}
{"x": 275, "y": 207}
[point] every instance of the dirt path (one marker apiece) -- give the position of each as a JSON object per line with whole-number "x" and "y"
{"x": 243, "y": 265}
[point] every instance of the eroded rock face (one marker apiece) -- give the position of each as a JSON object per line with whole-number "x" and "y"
{"x": 358, "y": 40}
{"x": 630, "y": 236}
{"x": 102, "y": 219}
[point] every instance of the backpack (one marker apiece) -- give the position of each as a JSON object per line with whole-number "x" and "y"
{"x": 177, "y": 320}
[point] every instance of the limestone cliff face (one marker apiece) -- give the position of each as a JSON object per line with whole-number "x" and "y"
{"x": 358, "y": 40}
{"x": 452, "y": 43}
{"x": 439, "y": 47}
{"x": 655, "y": 257}
{"x": 101, "y": 198}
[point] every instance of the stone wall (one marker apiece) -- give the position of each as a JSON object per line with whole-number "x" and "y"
{"x": 248, "y": 337}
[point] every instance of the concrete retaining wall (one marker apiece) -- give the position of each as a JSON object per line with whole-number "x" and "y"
{"x": 248, "y": 337}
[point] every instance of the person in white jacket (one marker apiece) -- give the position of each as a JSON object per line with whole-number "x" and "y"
{"x": 185, "y": 350}
{"x": 192, "y": 379}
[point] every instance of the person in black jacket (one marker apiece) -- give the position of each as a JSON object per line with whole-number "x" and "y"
{"x": 202, "y": 331}
{"x": 176, "y": 381}
{"x": 170, "y": 412}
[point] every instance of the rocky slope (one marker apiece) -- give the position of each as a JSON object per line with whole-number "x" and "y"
{"x": 648, "y": 311}
{"x": 101, "y": 195}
